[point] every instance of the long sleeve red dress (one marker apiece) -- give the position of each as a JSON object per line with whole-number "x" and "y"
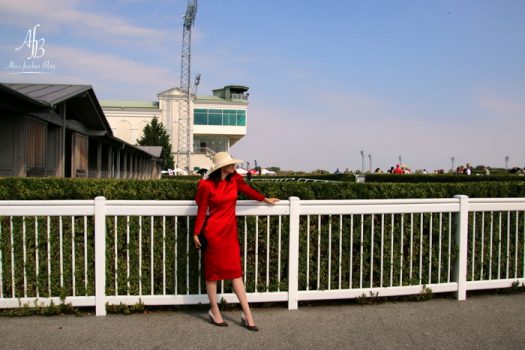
{"x": 222, "y": 256}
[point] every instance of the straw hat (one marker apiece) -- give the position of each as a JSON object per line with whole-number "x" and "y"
{"x": 221, "y": 159}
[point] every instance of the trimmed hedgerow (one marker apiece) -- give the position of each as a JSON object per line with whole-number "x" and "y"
{"x": 406, "y": 178}
{"x": 53, "y": 188}
{"x": 137, "y": 249}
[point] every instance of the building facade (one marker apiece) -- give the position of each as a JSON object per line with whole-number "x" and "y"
{"x": 217, "y": 122}
{"x": 60, "y": 130}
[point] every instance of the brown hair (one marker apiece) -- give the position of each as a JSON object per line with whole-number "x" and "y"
{"x": 215, "y": 176}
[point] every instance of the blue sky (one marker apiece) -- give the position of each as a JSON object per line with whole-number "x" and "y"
{"x": 424, "y": 80}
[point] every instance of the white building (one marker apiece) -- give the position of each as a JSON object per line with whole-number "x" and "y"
{"x": 218, "y": 121}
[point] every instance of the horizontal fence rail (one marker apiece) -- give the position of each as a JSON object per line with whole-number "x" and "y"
{"x": 98, "y": 252}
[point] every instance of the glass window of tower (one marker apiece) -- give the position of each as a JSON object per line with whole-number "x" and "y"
{"x": 226, "y": 117}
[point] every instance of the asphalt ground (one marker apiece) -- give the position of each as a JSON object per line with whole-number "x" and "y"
{"x": 481, "y": 322}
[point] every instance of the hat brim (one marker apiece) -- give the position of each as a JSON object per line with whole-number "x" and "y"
{"x": 213, "y": 168}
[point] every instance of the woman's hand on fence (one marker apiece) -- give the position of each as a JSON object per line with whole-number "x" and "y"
{"x": 196, "y": 241}
{"x": 271, "y": 200}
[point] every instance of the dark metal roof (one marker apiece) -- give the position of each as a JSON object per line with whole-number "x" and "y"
{"x": 81, "y": 100}
{"x": 83, "y": 113}
{"x": 155, "y": 151}
{"x": 241, "y": 87}
{"x": 48, "y": 94}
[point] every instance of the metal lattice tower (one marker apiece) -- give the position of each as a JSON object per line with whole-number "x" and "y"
{"x": 184, "y": 142}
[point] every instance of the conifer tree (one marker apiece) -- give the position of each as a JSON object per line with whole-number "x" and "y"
{"x": 155, "y": 134}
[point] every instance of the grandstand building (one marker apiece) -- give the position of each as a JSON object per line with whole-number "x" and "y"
{"x": 217, "y": 122}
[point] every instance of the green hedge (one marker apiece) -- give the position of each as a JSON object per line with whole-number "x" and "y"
{"x": 392, "y": 190}
{"x": 412, "y": 178}
{"x": 52, "y": 188}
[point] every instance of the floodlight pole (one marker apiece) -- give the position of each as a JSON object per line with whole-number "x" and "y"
{"x": 362, "y": 161}
{"x": 185, "y": 137}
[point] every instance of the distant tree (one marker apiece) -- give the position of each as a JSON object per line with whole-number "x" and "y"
{"x": 291, "y": 172}
{"x": 155, "y": 134}
{"x": 320, "y": 172}
{"x": 479, "y": 168}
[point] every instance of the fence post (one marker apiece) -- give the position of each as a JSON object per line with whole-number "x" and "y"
{"x": 293, "y": 254}
{"x": 461, "y": 237}
{"x": 100, "y": 256}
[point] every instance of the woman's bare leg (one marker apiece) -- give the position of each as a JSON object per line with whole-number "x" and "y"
{"x": 238, "y": 288}
{"x": 211, "y": 289}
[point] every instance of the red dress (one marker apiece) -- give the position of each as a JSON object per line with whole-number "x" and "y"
{"x": 222, "y": 256}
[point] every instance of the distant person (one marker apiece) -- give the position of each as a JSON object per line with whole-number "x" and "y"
{"x": 391, "y": 170}
{"x": 425, "y": 172}
{"x": 397, "y": 170}
{"x": 249, "y": 176}
{"x": 337, "y": 171}
{"x": 217, "y": 193}
{"x": 202, "y": 171}
{"x": 467, "y": 170}
{"x": 378, "y": 171}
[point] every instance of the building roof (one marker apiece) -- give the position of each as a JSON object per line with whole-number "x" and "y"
{"x": 155, "y": 151}
{"x": 219, "y": 95}
{"x": 235, "y": 87}
{"x": 215, "y": 99}
{"x": 129, "y": 104}
{"x": 48, "y": 94}
{"x": 171, "y": 91}
{"x": 83, "y": 111}
{"x": 209, "y": 98}
{"x": 80, "y": 99}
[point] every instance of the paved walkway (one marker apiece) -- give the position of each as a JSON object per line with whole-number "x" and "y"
{"x": 480, "y": 322}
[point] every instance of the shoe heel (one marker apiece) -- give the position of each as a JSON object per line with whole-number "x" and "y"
{"x": 245, "y": 324}
{"x": 212, "y": 321}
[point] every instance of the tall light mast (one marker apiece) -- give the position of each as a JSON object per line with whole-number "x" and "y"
{"x": 184, "y": 142}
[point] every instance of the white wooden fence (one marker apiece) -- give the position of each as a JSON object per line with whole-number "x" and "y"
{"x": 94, "y": 252}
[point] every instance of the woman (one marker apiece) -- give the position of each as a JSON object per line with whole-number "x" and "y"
{"x": 222, "y": 255}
